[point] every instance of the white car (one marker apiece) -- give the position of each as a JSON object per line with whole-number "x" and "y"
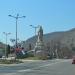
{"x": 3, "y": 57}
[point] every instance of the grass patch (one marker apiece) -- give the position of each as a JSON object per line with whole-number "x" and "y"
{"x": 2, "y": 61}
{"x": 35, "y": 58}
{"x": 32, "y": 58}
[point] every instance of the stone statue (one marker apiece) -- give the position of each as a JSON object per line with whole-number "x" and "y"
{"x": 40, "y": 34}
{"x": 39, "y": 47}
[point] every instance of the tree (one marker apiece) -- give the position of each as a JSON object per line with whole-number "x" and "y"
{"x": 30, "y": 46}
{"x": 8, "y": 50}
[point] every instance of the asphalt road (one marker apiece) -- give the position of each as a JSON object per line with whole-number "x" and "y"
{"x": 50, "y": 67}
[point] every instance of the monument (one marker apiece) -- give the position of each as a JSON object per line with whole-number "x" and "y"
{"x": 39, "y": 47}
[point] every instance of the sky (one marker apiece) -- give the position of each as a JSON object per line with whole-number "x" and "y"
{"x": 52, "y": 15}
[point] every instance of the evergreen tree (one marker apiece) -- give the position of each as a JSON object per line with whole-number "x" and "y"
{"x": 8, "y": 50}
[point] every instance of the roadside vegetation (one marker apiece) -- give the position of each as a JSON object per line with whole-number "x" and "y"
{"x": 4, "y": 61}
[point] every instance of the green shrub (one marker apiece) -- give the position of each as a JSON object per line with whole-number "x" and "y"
{"x": 9, "y": 61}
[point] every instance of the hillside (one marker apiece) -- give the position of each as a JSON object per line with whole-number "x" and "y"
{"x": 66, "y": 40}
{"x": 46, "y": 38}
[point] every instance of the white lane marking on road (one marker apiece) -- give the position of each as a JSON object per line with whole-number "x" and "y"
{"x": 53, "y": 63}
{"x": 27, "y": 70}
{"x": 9, "y": 74}
{"x": 32, "y": 69}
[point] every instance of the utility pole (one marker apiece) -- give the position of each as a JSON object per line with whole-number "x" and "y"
{"x": 6, "y": 34}
{"x": 16, "y": 17}
{"x": 35, "y": 27}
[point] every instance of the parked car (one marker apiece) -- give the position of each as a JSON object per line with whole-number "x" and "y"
{"x": 3, "y": 57}
{"x": 73, "y": 61}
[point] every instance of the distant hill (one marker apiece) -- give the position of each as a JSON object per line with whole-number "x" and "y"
{"x": 66, "y": 38}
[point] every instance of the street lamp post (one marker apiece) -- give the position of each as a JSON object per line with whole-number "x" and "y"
{"x": 6, "y": 34}
{"x": 35, "y": 27}
{"x": 16, "y": 17}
